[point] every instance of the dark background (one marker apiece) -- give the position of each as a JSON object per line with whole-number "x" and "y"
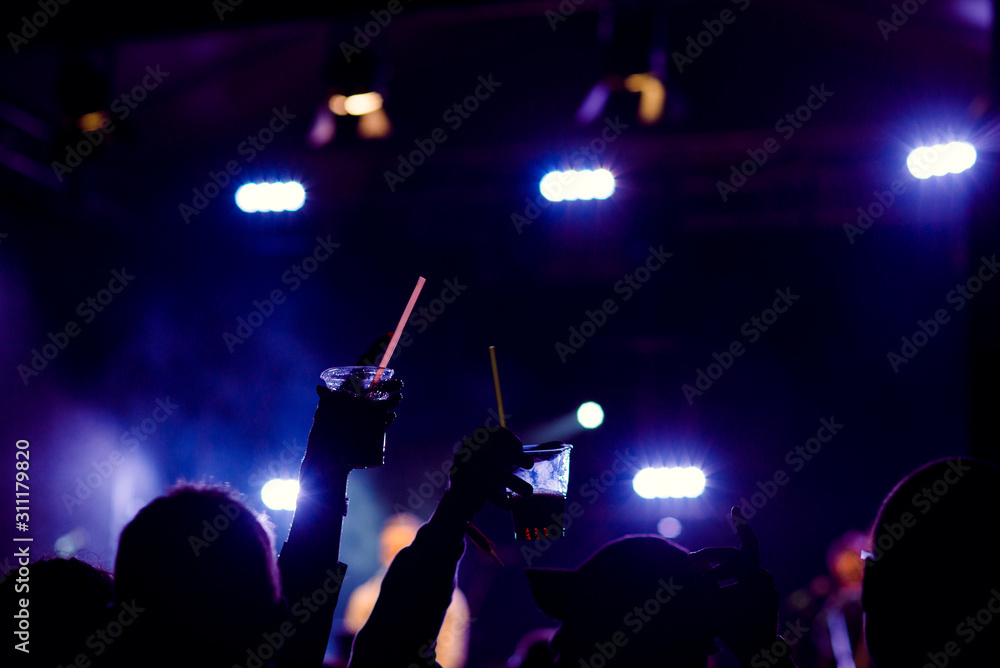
{"x": 162, "y": 336}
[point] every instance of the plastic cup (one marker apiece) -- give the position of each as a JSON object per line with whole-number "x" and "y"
{"x": 540, "y": 515}
{"x": 357, "y": 381}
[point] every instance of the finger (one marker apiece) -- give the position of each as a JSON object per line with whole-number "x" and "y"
{"x": 748, "y": 539}
{"x": 524, "y": 461}
{"x": 507, "y": 436}
{"x": 374, "y": 350}
{"x": 515, "y": 484}
{"x": 389, "y": 419}
{"x": 550, "y": 445}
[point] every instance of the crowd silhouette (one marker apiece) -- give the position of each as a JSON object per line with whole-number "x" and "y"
{"x": 199, "y": 582}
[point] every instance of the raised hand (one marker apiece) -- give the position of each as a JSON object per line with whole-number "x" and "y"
{"x": 483, "y": 472}
{"x": 349, "y": 425}
{"x": 744, "y": 614}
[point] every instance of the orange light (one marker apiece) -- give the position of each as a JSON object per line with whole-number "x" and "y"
{"x": 93, "y": 121}
{"x": 374, "y": 125}
{"x": 652, "y": 96}
{"x": 337, "y": 105}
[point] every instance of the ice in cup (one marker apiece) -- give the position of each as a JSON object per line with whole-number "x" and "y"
{"x": 357, "y": 380}
{"x": 539, "y": 515}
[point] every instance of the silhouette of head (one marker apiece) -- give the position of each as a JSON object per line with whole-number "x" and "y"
{"x": 68, "y": 603}
{"x": 931, "y": 589}
{"x": 636, "y": 601}
{"x": 199, "y": 568}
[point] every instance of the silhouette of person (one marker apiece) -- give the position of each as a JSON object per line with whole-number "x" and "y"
{"x": 199, "y": 570}
{"x": 452, "y": 645}
{"x": 931, "y": 588}
{"x": 65, "y": 615}
{"x": 417, "y": 588}
{"x": 644, "y": 601}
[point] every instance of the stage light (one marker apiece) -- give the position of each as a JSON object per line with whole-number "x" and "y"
{"x": 669, "y": 527}
{"x": 355, "y": 105}
{"x": 364, "y": 103}
{"x": 280, "y": 494}
{"x": 374, "y": 125}
{"x": 69, "y": 544}
{"x": 337, "y": 104}
{"x": 669, "y": 483}
{"x": 263, "y": 197}
{"x": 572, "y": 185}
{"x": 590, "y": 415}
{"x": 941, "y": 159}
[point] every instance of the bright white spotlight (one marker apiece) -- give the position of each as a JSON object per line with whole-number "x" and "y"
{"x": 264, "y": 197}
{"x": 941, "y": 159}
{"x": 280, "y": 494}
{"x": 572, "y": 185}
{"x": 669, "y": 483}
{"x": 590, "y": 415}
{"x": 669, "y": 527}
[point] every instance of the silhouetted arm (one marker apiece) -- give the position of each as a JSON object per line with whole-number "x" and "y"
{"x": 309, "y": 562}
{"x": 418, "y": 586}
{"x": 416, "y": 592}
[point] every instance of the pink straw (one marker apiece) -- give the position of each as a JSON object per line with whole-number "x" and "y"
{"x": 399, "y": 330}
